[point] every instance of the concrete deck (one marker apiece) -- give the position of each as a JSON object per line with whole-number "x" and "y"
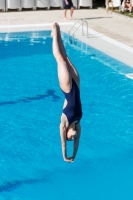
{"x": 115, "y": 26}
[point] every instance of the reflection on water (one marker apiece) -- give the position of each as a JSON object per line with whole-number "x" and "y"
{"x": 26, "y": 44}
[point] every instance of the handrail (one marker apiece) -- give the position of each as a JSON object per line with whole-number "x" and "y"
{"x": 82, "y": 28}
{"x": 74, "y": 25}
{"x": 81, "y": 23}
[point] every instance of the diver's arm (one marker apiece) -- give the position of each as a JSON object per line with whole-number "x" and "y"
{"x": 63, "y": 143}
{"x": 63, "y": 139}
{"x": 76, "y": 140}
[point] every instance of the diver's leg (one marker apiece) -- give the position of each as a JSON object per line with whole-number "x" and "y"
{"x": 73, "y": 71}
{"x": 63, "y": 70}
{"x": 61, "y": 45}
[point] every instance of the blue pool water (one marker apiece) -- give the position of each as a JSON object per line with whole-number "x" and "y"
{"x": 31, "y": 164}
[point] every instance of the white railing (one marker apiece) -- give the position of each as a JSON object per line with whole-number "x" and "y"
{"x": 28, "y": 4}
{"x": 42, "y": 4}
{"x": 13, "y": 4}
{"x": 2, "y": 5}
{"x": 56, "y": 3}
{"x": 85, "y": 3}
{"x": 75, "y": 28}
{"x": 19, "y": 4}
{"x": 116, "y": 3}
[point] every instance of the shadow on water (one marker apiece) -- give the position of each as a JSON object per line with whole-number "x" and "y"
{"x": 10, "y": 186}
{"x": 49, "y": 93}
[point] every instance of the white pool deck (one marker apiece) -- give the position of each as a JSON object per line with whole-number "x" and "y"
{"x": 111, "y": 34}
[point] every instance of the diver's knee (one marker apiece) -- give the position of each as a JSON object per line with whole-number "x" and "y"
{"x": 61, "y": 60}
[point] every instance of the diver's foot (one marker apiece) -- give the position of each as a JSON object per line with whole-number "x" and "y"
{"x": 54, "y": 30}
{"x": 58, "y": 29}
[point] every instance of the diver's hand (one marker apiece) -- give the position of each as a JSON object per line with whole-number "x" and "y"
{"x": 69, "y": 159}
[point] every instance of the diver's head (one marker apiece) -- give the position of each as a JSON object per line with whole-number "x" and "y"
{"x": 71, "y": 133}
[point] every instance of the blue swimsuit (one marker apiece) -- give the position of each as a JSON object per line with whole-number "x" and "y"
{"x": 73, "y": 109}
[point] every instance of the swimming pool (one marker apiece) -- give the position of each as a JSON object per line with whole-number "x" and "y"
{"x": 31, "y": 164}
